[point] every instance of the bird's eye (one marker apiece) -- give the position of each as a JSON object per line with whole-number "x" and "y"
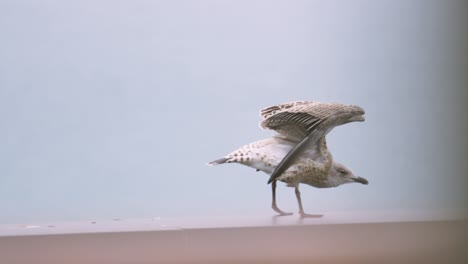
{"x": 342, "y": 171}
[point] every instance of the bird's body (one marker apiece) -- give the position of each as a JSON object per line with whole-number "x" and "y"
{"x": 300, "y": 153}
{"x": 265, "y": 155}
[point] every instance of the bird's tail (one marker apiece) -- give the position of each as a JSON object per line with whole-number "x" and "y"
{"x": 217, "y": 162}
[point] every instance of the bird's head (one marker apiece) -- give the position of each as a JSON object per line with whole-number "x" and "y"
{"x": 340, "y": 174}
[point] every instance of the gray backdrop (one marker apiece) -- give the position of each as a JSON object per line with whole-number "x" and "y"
{"x": 112, "y": 108}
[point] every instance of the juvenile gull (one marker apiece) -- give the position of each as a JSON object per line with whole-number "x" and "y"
{"x": 299, "y": 153}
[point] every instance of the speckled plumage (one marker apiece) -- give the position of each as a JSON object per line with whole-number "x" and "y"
{"x": 299, "y": 154}
{"x": 266, "y": 154}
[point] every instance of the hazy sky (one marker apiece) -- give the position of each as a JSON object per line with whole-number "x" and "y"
{"x": 112, "y": 108}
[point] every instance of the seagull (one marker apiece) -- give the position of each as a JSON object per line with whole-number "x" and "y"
{"x": 299, "y": 152}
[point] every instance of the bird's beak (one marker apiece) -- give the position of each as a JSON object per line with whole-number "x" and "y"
{"x": 361, "y": 180}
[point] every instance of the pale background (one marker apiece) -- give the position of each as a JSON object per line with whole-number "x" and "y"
{"x": 110, "y": 109}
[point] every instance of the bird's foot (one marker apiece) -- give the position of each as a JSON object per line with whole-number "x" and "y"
{"x": 304, "y": 215}
{"x": 279, "y": 211}
{"x": 284, "y": 213}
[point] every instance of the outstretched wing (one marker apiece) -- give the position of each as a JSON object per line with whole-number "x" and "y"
{"x": 297, "y": 120}
{"x": 306, "y": 122}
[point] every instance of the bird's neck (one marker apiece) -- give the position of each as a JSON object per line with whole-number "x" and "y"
{"x": 325, "y": 153}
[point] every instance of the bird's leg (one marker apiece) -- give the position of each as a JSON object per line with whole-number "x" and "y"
{"x": 273, "y": 203}
{"x": 301, "y": 209}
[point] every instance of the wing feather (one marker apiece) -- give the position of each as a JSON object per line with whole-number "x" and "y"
{"x": 298, "y": 119}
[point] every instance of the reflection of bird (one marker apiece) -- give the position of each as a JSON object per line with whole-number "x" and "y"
{"x": 299, "y": 154}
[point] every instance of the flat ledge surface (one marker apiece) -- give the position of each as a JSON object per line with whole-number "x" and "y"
{"x": 358, "y": 237}
{"x": 185, "y": 223}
